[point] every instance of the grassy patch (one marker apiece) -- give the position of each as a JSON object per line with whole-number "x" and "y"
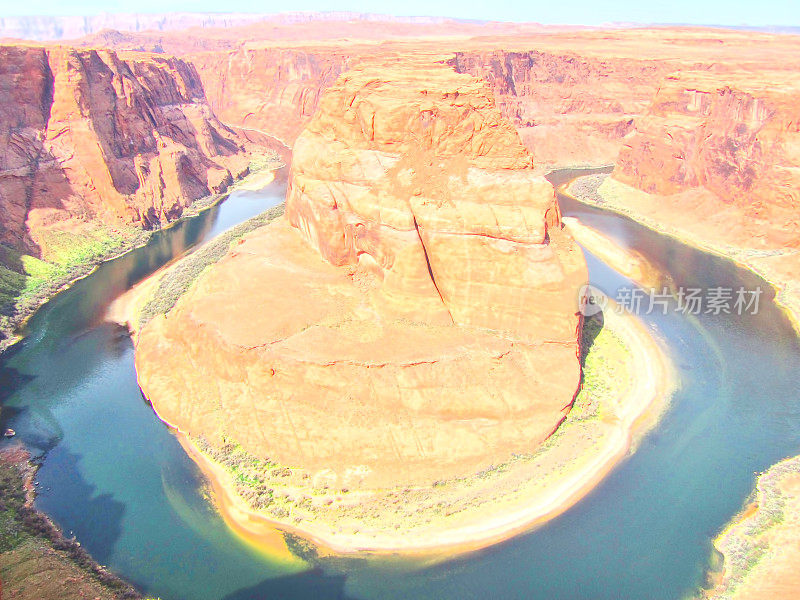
{"x": 26, "y": 281}
{"x": 606, "y": 361}
{"x": 269, "y": 160}
{"x": 11, "y": 285}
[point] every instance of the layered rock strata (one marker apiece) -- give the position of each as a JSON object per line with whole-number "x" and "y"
{"x": 569, "y": 108}
{"x": 90, "y": 136}
{"x": 414, "y": 316}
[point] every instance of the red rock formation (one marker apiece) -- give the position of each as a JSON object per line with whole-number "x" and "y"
{"x": 273, "y": 90}
{"x": 26, "y": 97}
{"x": 90, "y": 135}
{"x": 418, "y": 322}
{"x": 569, "y": 108}
{"x": 415, "y": 181}
{"x": 733, "y": 135}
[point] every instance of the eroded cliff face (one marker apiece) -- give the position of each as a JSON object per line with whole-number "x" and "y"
{"x": 94, "y": 137}
{"x": 568, "y": 108}
{"x": 414, "y": 316}
{"x": 273, "y": 90}
{"x": 729, "y": 141}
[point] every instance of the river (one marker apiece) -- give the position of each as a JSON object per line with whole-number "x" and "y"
{"x": 116, "y": 477}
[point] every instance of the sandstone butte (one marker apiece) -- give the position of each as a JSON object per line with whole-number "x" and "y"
{"x": 93, "y": 137}
{"x": 412, "y": 318}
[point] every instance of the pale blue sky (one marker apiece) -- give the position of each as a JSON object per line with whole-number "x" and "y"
{"x": 722, "y": 12}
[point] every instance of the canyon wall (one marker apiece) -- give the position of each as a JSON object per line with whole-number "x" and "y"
{"x": 414, "y": 316}
{"x": 569, "y": 109}
{"x": 726, "y": 144}
{"x": 272, "y": 90}
{"x": 93, "y": 136}
{"x": 734, "y": 135}
{"x": 573, "y": 96}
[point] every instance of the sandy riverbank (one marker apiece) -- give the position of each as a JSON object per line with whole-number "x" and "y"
{"x": 629, "y": 263}
{"x": 493, "y": 505}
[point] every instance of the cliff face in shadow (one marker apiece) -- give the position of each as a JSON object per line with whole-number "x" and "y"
{"x": 90, "y": 136}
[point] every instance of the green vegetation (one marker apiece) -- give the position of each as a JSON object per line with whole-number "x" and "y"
{"x": 269, "y": 160}
{"x": 26, "y": 281}
{"x": 186, "y": 272}
{"x": 251, "y": 475}
{"x": 35, "y": 558}
{"x": 606, "y": 361}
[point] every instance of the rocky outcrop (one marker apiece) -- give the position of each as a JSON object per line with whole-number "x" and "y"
{"x": 272, "y": 90}
{"x": 569, "y": 108}
{"x": 93, "y": 136}
{"x": 729, "y": 141}
{"x": 414, "y": 317}
{"x": 415, "y": 184}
